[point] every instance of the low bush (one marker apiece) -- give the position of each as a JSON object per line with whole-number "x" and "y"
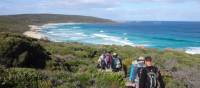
{"x": 74, "y": 65}
{"x": 20, "y": 51}
{"x": 110, "y": 80}
{"x": 23, "y": 78}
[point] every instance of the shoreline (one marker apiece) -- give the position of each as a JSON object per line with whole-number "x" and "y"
{"x": 34, "y": 33}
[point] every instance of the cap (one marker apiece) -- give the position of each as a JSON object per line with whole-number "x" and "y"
{"x": 114, "y": 54}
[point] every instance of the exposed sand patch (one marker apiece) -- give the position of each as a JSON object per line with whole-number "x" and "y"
{"x": 34, "y": 32}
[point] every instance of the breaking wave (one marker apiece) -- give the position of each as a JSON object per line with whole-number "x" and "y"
{"x": 193, "y": 50}
{"x": 121, "y": 35}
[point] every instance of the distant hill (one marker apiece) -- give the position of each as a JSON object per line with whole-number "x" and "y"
{"x": 19, "y": 23}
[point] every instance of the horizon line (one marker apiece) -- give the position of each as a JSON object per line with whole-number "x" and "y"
{"x": 101, "y": 17}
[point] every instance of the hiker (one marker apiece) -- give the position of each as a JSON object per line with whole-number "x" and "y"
{"x": 136, "y": 70}
{"x": 102, "y": 61}
{"x": 108, "y": 59}
{"x": 116, "y": 63}
{"x": 150, "y": 76}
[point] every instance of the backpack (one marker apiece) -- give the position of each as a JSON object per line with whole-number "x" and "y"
{"x": 132, "y": 73}
{"x": 139, "y": 71}
{"x": 152, "y": 77}
{"x": 135, "y": 72}
{"x": 118, "y": 63}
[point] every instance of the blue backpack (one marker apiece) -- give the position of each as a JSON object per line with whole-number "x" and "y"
{"x": 132, "y": 72}
{"x": 135, "y": 72}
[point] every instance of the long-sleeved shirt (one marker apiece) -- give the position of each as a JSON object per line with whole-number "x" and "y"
{"x": 144, "y": 83}
{"x": 135, "y": 71}
{"x": 132, "y": 73}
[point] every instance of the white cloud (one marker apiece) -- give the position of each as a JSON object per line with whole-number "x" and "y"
{"x": 169, "y": 1}
{"x": 79, "y": 3}
{"x": 110, "y": 9}
{"x": 114, "y": 9}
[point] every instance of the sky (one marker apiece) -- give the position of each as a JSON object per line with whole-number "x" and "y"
{"x": 119, "y": 10}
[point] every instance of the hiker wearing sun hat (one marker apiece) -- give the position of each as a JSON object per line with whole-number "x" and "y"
{"x": 140, "y": 67}
{"x": 116, "y": 63}
{"x": 136, "y": 69}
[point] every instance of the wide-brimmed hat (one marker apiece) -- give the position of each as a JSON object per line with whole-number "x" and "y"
{"x": 140, "y": 58}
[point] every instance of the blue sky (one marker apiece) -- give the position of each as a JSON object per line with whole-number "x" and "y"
{"x": 121, "y": 10}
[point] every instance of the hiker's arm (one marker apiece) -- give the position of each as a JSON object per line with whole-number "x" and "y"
{"x": 142, "y": 79}
{"x": 162, "y": 84}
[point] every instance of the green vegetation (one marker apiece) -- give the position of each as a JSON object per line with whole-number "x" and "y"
{"x": 23, "y": 77}
{"x": 74, "y": 65}
{"x": 19, "y": 51}
{"x": 31, "y": 63}
{"x": 19, "y": 23}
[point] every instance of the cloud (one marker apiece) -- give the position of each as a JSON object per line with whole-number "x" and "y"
{"x": 114, "y": 9}
{"x": 101, "y": 3}
{"x": 79, "y": 3}
{"x": 110, "y": 9}
{"x": 163, "y": 1}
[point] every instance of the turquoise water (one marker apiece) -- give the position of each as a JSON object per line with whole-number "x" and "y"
{"x": 179, "y": 35}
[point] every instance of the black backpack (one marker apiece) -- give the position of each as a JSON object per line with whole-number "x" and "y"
{"x": 139, "y": 71}
{"x": 152, "y": 77}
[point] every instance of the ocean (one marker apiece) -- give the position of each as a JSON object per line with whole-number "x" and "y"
{"x": 151, "y": 34}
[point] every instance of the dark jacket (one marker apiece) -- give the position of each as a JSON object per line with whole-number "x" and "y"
{"x": 143, "y": 81}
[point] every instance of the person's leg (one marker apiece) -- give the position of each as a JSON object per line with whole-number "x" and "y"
{"x": 108, "y": 66}
{"x": 103, "y": 65}
{"x": 118, "y": 69}
{"x": 137, "y": 85}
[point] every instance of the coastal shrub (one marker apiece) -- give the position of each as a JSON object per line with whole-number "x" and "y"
{"x": 173, "y": 83}
{"x": 20, "y": 51}
{"x": 110, "y": 80}
{"x": 59, "y": 78}
{"x": 74, "y": 65}
{"x": 83, "y": 78}
{"x": 71, "y": 49}
{"x": 71, "y": 65}
{"x": 22, "y": 78}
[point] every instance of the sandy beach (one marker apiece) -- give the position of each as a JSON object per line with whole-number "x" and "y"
{"x": 33, "y": 32}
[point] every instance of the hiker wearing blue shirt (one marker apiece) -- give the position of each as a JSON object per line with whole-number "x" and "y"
{"x": 136, "y": 69}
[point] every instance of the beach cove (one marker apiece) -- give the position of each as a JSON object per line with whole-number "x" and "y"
{"x": 136, "y": 34}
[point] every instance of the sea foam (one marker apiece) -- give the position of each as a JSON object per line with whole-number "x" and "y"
{"x": 193, "y": 50}
{"x": 114, "y": 40}
{"x": 101, "y": 31}
{"x": 123, "y": 35}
